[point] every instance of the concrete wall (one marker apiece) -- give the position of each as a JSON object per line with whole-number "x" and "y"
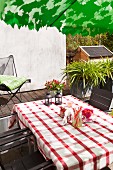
{"x": 38, "y": 55}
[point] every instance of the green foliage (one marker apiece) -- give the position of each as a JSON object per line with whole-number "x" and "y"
{"x": 91, "y": 73}
{"x": 2, "y": 4}
{"x": 69, "y": 16}
{"x": 72, "y": 42}
{"x": 107, "y": 40}
{"x": 107, "y": 67}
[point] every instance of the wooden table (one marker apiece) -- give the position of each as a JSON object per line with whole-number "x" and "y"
{"x": 89, "y": 147}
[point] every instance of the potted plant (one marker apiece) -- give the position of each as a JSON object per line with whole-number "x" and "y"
{"x": 84, "y": 75}
{"x": 108, "y": 68}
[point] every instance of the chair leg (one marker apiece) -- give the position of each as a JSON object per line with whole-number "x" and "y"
{"x": 1, "y": 165}
{"x": 14, "y": 95}
{"x": 35, "y": 144}
{"x": 29, "y": 145}
{"x": 32, "y": 140}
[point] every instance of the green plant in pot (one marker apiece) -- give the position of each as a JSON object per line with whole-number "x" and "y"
{"x": 83, "y": 76}
{"x": 108, "y": 69}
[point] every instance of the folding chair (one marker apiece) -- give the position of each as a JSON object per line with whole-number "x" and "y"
{"x": 9, "y": 81}
{"x": 101, "y": 99}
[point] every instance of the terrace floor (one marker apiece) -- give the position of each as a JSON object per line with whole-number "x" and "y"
{"x": 5, "y": 108}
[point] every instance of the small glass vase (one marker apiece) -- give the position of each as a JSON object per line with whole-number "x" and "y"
{"x": 53, "y": 93}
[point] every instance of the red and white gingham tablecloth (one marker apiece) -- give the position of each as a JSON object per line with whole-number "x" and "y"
{"x": 89, "y": 147}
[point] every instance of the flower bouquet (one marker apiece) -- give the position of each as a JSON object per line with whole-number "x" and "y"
{"x": 54, "y": 85}
{"x": 87, "y": 113}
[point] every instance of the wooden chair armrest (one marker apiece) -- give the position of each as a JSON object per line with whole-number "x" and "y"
{"x": 12, "y": 132}
{"x": 14, "y": 139}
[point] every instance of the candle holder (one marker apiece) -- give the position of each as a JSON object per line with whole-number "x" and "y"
{"x": 48, "y": 99}
{"x": 58, "y": 98}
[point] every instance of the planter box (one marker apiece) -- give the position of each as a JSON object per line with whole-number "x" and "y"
{"x": 108, "y": 86}
{"x": 77, "y": 90}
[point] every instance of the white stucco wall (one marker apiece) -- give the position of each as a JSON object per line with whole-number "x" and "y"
{"x": 38, "y": 55}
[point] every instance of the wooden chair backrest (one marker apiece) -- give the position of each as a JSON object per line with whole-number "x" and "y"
{"x": 101, "y": 99}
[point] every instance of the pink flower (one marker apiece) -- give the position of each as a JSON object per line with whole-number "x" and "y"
{"x": 54, "y": 85}
{"x": 87, "y": 113}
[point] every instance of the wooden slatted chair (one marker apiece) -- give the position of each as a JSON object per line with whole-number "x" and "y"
{"x": 14, "y": 139}
{"x": 101, "y": 99}
{"x": 7, "y": 138}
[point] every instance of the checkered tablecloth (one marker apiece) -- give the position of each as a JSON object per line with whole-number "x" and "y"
{"x": 89, "y": 147}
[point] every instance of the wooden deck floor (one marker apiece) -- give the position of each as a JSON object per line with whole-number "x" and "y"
{"x": 5, "y": 109}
